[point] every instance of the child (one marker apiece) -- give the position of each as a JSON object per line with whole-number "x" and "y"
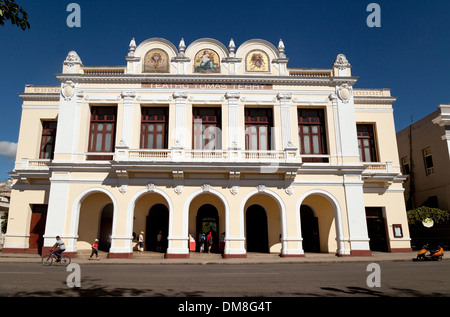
{"x": 94, "y": 249}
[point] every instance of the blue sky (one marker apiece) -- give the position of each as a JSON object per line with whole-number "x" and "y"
{"x": 409, "y": 53}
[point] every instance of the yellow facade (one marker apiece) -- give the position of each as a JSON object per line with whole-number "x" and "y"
{"x": 246, "y": 181}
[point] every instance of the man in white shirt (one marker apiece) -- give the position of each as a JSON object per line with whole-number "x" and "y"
{"x": 61, "y": 248}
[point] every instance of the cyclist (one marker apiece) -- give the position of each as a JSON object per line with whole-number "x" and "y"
{"x": 61, "y": 248}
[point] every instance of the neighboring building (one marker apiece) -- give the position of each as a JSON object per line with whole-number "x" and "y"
{"x": 5, "y": 194}
{"x": 424, "y": 152}
{"x": 208, "y": 137}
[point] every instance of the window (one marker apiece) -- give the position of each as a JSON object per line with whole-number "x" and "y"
{"x": 428, "y": 161}
{"x": 311, "y": 134}
{"x": 154, "y": 127}
{"x": 258, "y": 123}
{"x": 366, "y": 143}
{"x": 207, "y": 128}
{"x": 102, "y": 132}
{"x": 405, "y": 165}
{"x": 48, "y": 139}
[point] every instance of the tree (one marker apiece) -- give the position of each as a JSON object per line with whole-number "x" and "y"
{"x": 10, "y": 10}
{"x": 4, "y": 223}
{"x": 423, "y": 213}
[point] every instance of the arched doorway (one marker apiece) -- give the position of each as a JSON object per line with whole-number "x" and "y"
{"x": 157, "y": 220}
{"x": 208, "y": 220}
{"x": 151, "y": 214}
{"x": 106, "y": 219}
{"x": 310, "y": 229}
{"x": 96, "y": 212}
{"x": 321, "y": 230}
{"x": 257, "y": 229}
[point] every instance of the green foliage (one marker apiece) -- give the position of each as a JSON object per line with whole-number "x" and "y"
{"x": 423, "y": 212}
{"x": 4, "y": 223}
{"x": 9, "y": 10}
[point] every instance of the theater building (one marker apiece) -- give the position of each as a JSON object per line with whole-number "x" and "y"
{"x": 206, "y": 137}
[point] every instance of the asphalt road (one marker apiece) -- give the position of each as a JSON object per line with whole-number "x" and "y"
{"x": 396, "y": 279}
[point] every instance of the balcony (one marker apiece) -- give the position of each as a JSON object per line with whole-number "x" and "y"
{"x": 288, "y": 159}
{"x": 377, "y": 167}
{"x": 382, "y": 172}
{"x": 188, "y": 155}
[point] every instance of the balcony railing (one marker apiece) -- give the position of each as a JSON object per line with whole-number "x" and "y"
{"x": 188, "y": 155}
{"x": 35, "y": 163}
{"x": 119, "y": 70}
{"x": 213, "y": 156}
{"x": 305, "y": 72}
{"x": 378, "y": 167}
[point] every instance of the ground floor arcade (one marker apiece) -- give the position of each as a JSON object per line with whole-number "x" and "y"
{"x": 288, "y": 221}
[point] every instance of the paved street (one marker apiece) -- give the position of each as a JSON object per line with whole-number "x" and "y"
{"x": 399, "y": 279}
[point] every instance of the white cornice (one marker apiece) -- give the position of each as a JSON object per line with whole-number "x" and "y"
{"x": 39, "y": 97}
{"x": 372, "y": 100}
{"x": 198, "y": 79}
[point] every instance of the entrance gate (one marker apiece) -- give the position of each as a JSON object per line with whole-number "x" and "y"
{"x": 376, "y": 228}
{"x": 37, "y": 227}
{"x": 310, "y": 229}
{"x": 157, "y": 220}
{"x": 257, "y": 229}
{"x": 106, "y": 220}
{"x": 208, "y": 220}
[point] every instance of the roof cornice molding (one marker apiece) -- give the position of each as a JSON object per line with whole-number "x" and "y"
{"x": 198, "y": 79}
{"x": 374, "y": 100}
{"x": 39, "y": 97}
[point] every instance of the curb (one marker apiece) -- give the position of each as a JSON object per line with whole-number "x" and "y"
{"x": 251, "y": 260}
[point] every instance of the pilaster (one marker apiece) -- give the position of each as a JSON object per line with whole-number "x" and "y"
{"x": 345, "y": 124}
{"x": 127, "y": 122}
{"x": 285, "y": 109}
{"x": 68, "y": 123}
{"x": 233, "y": 118}
{"x": 180, "y": 117}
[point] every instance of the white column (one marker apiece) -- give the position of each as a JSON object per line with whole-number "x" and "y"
{"x": 127, "y": 122}
{"x": 57, "y": 212}
{"x": 347, "y": 147}
{"x": 233, "y": 118}
{"x": 180, "y": 117}
{"x": 285, "y": 108}
{"x": 356, "y": 214}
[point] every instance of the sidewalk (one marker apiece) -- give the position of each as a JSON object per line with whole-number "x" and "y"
{"x": 150, "y": 258}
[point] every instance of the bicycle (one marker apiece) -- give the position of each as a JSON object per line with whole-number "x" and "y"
{"x": 47, "y": 259}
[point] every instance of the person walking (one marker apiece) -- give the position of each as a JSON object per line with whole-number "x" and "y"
{"x": 141, "y": 241}
{"x": 209, "y": 241}
{"x": 94, "y": 250}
